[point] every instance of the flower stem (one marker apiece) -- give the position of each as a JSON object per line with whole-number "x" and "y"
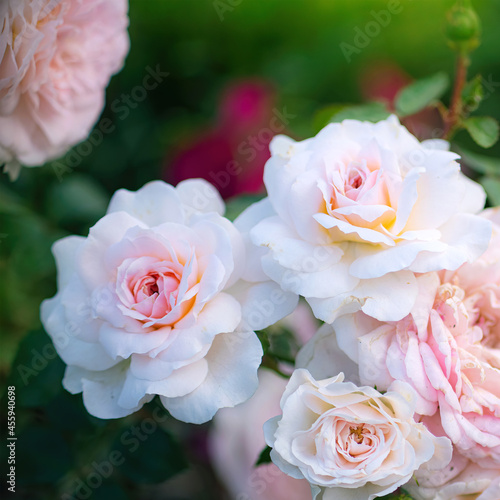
{"x": 454, "y": 114}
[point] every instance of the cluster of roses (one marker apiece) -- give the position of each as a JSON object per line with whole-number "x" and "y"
{"x": 384, "y": 238}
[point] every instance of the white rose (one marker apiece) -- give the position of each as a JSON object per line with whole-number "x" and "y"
{"x": 145, "y": 307}
{"x": 349, "y": 442}
{"x": 353, "y": 213}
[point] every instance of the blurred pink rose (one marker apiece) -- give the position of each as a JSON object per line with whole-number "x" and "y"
{"x": 232, "y": 154}
{"x": 237, "y": 440}
{"x": 57, "y": 59}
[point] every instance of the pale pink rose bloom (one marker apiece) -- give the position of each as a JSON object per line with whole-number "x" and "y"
{"x": 351, "y": 442}
{"x": 447, "y": 348}
{"x": 150, "y": 303}
{"x": 237, "y": 439}
{"x": 57, "y": 57}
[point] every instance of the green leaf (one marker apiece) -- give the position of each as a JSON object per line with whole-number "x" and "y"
{"x": 149, "y": 454}
{"x": 264, "y": 340}
{"x": 283, "y": 344}
{"x": 480, "y": 163}
{"x": 419, "y": 94}
{"x": 473, "y": 94}
{"x": 264, "y": 457}
{"x": 483, "y": 129}
{"x": 370, "y": 112}
{"x": 492, "y": 188}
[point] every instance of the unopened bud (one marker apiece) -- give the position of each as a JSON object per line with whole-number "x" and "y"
{"x": 463, "y": 27}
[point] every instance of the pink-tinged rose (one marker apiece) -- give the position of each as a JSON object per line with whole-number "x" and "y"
{"x": 350, "y": 442}
{"x": 461, "y": 479}
{"x": 473, "y": 483}
{"x": 57, "y": 59}
{"x": 237, "y": 439}
{"x": 146, "y": 306}
{"x": 447, "y": 349}
{"x": 232, "y": 154}
{"x": 355, "y": 212}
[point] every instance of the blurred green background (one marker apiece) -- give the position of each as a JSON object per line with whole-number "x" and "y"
{"x": 204, "y": 46}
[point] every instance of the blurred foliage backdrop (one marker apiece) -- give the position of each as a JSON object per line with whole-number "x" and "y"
{"x": 203, "y": 45}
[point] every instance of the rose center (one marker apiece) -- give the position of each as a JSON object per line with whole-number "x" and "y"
{"x": 356, "y": 182}
{"x": 357, "y": 433}
{"x": 150, "y": 285}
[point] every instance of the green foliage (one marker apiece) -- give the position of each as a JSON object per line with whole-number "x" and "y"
{"x": 76, "y": 199}
{"x": 399, "y": 494}
{"x": 150, "y": 453}
{"x": 492, "y": 188}
{"x": 472, "y": 94}
{"x": 483, "y": 129}
{"x": 264, "y": 457}
{"x": 421, "y": 93}
{"x": 370, "y": 112}
{"x": 37, "y": 371}
{"x": 264, "y": 340}
{"x": 481, "y": 163}
{"x": 43, "y": 456}
{"x": 282, "y": 344}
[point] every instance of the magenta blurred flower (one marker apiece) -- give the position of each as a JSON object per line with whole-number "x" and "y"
{"x": 232, "y": 153}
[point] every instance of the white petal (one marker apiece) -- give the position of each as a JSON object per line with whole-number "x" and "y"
{"x": 388, "y": 298}
{"x": 221, "y": 315}
{"x": 92, "y": 266}
{"x": 178, "y": 383}
{"x": 466, "y": 238}
{"x": 120, "y": 343}
{"x": 232, "y": 379}
{"x": 245, "y": 222}
{"x": 376, "y": 262}
{"x": 263, "y": 304}
{"x": 155, "y": 203}
{"x": 199, "y": 196}
{"x": 102, "y": 390}
{"x": 322, "y": 357}
{"x": 64, "y": 333}
{"x": 64, "y": 251}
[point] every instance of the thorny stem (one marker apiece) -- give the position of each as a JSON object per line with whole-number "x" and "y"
{"x": 454, "y": 114}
